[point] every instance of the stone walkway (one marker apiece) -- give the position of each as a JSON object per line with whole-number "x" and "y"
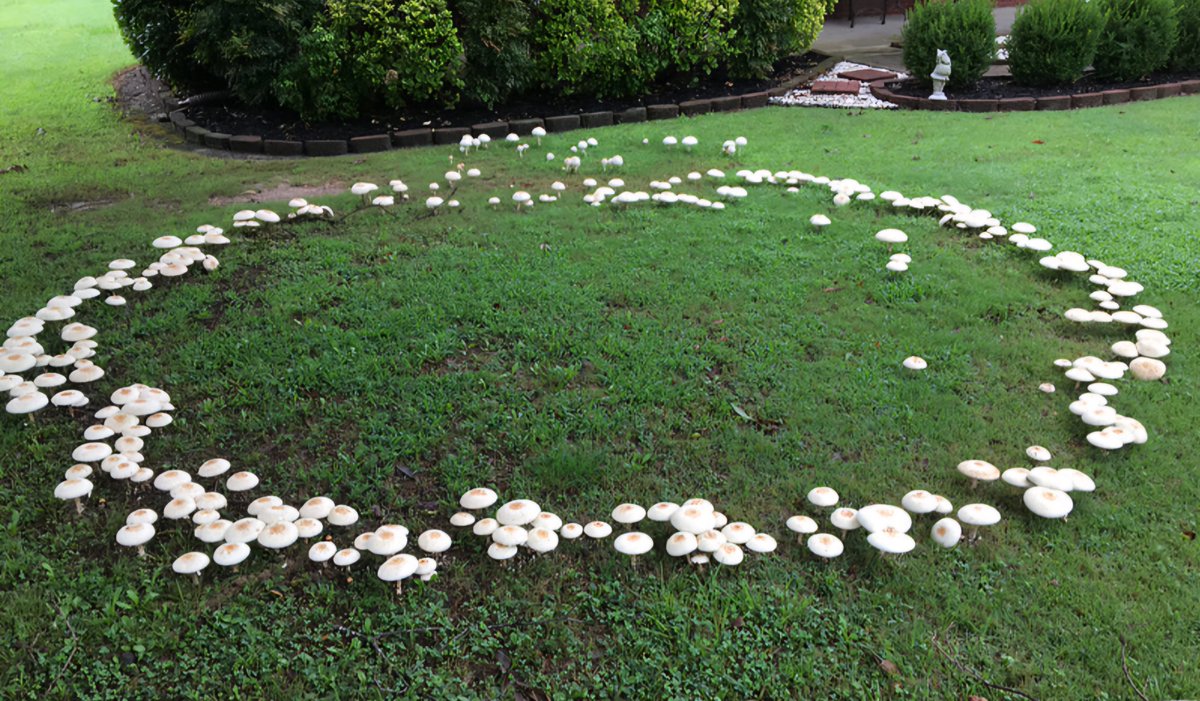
{"x": 870, "y": 43}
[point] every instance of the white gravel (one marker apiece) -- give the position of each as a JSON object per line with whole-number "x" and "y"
{"x": 864, "y": 100}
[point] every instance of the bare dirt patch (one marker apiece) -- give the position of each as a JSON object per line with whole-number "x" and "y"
{"x": 139, "y": 95}
{"x": 280, "y": 192}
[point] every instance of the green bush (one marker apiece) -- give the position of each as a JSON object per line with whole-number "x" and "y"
{"x": 686, "y": 37}
{"x": 586, "y": 47}
{"x": 768, "y": 30}
{"x": 153, "y": 31}
{"x": 964, "y": 28}
{"x": 1138, "y": 38}
{"x": 498, "y": 48}
{"x": 400, "y": 53}
{"x": 1053, "y": 41}
{"x": 314, "y": 84}
{"x": 1186, "y": 56}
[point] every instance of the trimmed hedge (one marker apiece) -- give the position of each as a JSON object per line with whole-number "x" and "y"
{"x": 1138, "y": 38}
{"x": 1053, "y": 41}
{"x": 344, "y": 58}
{"x": 964, "y": 28}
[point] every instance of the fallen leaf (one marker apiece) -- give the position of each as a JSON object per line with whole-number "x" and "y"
{"x": 741, "y": 412}
{"x": 889, "y": 667}
{"x": 1039, "y": 142}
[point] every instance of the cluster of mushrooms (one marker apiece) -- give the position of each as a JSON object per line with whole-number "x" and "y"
{"x": 701, "y": 532}
{"x": 694, "y": 529}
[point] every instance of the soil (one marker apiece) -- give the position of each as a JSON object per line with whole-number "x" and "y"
{"x": 138, "y": 94}
{"x": 999, "y": 88}
{"x": 276, "y": 193}
{"x": 234, "y": 118}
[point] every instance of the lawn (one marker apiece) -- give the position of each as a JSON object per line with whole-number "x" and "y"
{"x": 582, "y": 358}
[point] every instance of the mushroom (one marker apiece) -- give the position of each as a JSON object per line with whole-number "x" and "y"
{"x": 979, "y": 470}
{"x": 541, "y": 540}
{"x": 919, "y": 501}
{"x": 1038, "y": 454}
{"x": 976, "y": 515}
{"x": 342, "y": 515}
{"x": 190, "y": 563}
{"x": 322, "y": 551}
{"x": 1048, "y": 503}
{"x": 913, "y": 362}
{"x": 628, "y": 514}
{"x": 823, "y": 497}
{"x": 891, "y": 541}
{"x": 946, "y": 532}
{"x": 571, "y": 531}
{"x": 231, "y": 554}
{"x": 387, "y": 540}
{"x": 135, "y": 535}
{"x": 738, "y": 532}
{"x": 346, "y": 557}
{"x": 510, "y": 536}
{"x": 211, "y": 532}
{"x": 497, "y": 551}
{"x": 819, "y": 221}
{"x": 801, "y": 525}
{"x": 878, "y": 517}
{"x": 485, "y": 526}
{"x": 762, "y": 543}
{"x": 845, "y": 520}
{"x": 597, "y": 530}
{"x": 1049, "y": 477}
{"x": 693, "y": 519}
{"x": 517, "y": 512}
{"x": 74, "y": 490}
{"x": 825, "y": 546}
{"x": 398, "y": 568}
{"x": 462, "y": 519}
{"x": 729, "y": 555}
{"x": 434, "y": 541}
{"x": 662, "y": 511}
{"x": 278, "y": 535}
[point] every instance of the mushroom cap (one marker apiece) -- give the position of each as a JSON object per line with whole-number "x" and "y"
{"x": 943, "y": 504}
{"x": 738, "y": 532}
{"x": 710, "y": 540}
{"x": 317, "y": 507}
{"x": 518, "y": 512}
{"x": 704, "y": 504}
{"x": 497, "y": 551}
{"x": 1016, "y": 476}
{"x": 388, "y": 540}
{"x": 261, "y": 504}
{"x": 135, "y": 534}
{"x": 91, "y": 452}
{"x": 1037, "y": 453}
{"x": 822, "y": 496}
{"x": 979, "y": 515}
{"x": 1105, "y": 440}
{"x": 397, "y": 568}
{"x": 979, "y": 470}
{"x": 693, "y": 519}
{"x": 762, "y": 543}
{"x": 891, "y": 236}
{"x": 633, "y": 543}
{"x": 278, "y": 535}
{"x": 1048, "y": 503}
{"x": 1049, "y": 477}
{"x": 913, "y": 362}
{"x": 825, "y": 545}
{"x": 845, "y": 519}
{"x": 309, "y": 527}
{"x": 819, "y": 220}
{"x": 597, "y": 529}
{"x": 363, "y": 188}
{"x": 485, "y": 526}
{"x": 628, "y": 513}
{"x": 571, "y": 531}
{"x": 891, "y": 541}
{"x": 213, "y": 532}
{"x": 346, "y": 557}
{"x": 243, "y": 530}
{"x": 179, "y": 508}
{"x": 1080, "y": 482}
{"x": 363, "y": 540}
{"x": 1147, "y": 369}
{"x": 919, "y": 501}
{"x": 729, "y": 555}
{"x": 214, "y": 467}
{"x": 190, "y": 563}
{"x": 946, "y": 532}
{"x": 510, "y": 535}
{"x": 681, "y": 544}
{"x": 321, "y": 551}
{"x": 462, "y": 519}
{"x": 73, "y": 488}
{"x": 877, "y": 517}
{"x": 342, "y": 515}
{"x": 546, "y": 520}
{"x": 434, "y": 541}
{"x": 241, "y": 481}
{"x": 802, "y": 524}
{"x": 231, "y": 554}
{"x": 542, "y": 540}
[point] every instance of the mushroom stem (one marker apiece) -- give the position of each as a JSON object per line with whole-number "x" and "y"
{"x": 141, "y": 551}
{"x": 974, "y": 483}
{"x": 79, "y": 507}
{"x": 399, "y": 586}
{"x": 974, "y": 534}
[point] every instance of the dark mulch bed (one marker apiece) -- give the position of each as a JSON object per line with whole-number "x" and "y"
{"x": 999, "y": 88}
{"x": 233, "y": 118}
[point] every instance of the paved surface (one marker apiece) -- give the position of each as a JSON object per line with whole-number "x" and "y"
{"x": 870, "y": 42}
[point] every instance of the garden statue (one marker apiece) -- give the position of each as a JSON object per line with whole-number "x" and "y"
{"x": 941, "y": 73}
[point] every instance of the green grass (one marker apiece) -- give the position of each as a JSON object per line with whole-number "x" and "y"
{"x": 333, "y": 358}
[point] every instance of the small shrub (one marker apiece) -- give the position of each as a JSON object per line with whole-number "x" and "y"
{"x": 964, "y": 28}
{"x": 1138, "y": 38}
{"x": 586, "y": 47}
{"x": 687, "y": 37}
{"x": 1186, "y": 56}
{"x": 400, "y": 52}
{"x": 496, "y": 38}
{"x": 768, "y": 30}
{"x": 1053, "y": 41}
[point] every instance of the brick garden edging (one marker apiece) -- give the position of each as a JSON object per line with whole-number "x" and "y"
{"x": 409, "y": 138}
{"x": 880, "y": 90}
